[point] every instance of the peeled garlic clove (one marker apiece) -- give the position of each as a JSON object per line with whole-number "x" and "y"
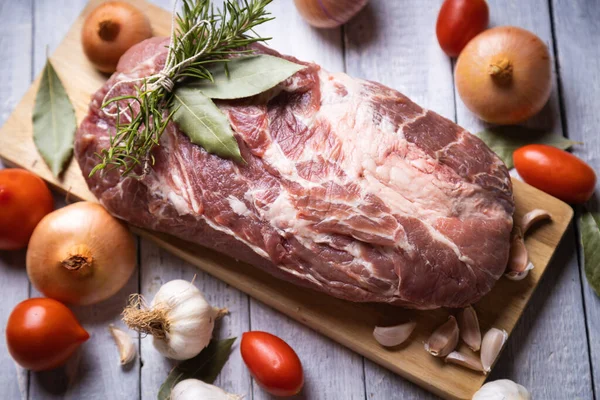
{"x": 464, "y": 360}
{"x": 533, "y": 217}
{"x": 194, "y": 389}
{"x": 518, "y": 259}
{"x": 492, "y": 343}
{"x": 124, "y": 342}
{"x": 444, "y": 339}
{"x": 389, "y": 336}
{"x": 468, "y": 325}
{"x": 502, "y": 389}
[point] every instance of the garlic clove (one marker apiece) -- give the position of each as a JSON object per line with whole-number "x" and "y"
{"x": 518, "y": 276}
{"x": 533, "y": 217}
{"x": 444, "y": 339}
{"x": 195, "y": 389}
{"x": 125, "y": 345}
{"x": 491, "y": 345}
{"x": 468, "y": 325}
{"x": 390, "y": 336}
{"x": 466, "y": 360}
{"x": 518, "y": 260}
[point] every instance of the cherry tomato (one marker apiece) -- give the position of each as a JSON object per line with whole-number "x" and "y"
{"x": 556, "y": 172}
{"x": 24, "y": 201}
{"x": 458, "y": 22}
{"x": 272, "y": 363}
{"x": 42, "y": 334}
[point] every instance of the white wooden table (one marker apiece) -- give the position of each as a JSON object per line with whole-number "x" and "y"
{"x": 555, "y": 350}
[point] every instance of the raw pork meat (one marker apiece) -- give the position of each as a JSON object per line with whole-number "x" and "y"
{"x": 350, "y": 188}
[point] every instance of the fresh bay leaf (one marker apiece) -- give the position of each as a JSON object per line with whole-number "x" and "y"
{"x": 504, "y": 140}
{"x": 203, "y": 122}
{"x": 589, "y": 232}
{"x": 54, "y": 121}
{"x": 246, "y": 76}
{"x": 205, "y": 366}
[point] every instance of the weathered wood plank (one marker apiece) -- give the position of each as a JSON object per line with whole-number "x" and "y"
{"x": 159, "y": 267}
{"x": 94, "y": 372}
{"x": 394, "y": 43}
{"x": 331, "y": 371}
{"x": 15, "y": 52}
{"x": 576, "y": 32}
{"x": 547, "y": 338}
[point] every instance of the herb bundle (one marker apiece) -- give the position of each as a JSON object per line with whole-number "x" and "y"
{"x": 201, "y": 36}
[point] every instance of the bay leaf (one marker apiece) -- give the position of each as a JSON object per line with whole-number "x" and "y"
{"x": 589, "y": 232}
{"x": 246, "y": 76}
{"x": 203, "y": 122}
{"x": 205, "y": 366}
{"x": 504, "y": 140}
{"x": 54, "y": 121}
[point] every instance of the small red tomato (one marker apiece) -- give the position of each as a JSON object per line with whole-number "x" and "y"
{"x": 458, "y": 22}
{"x": 42, "y": 334}
{"x": 24, "y": 201}
{"x": 556, "y": 172}
{"x": 272, "y": 363}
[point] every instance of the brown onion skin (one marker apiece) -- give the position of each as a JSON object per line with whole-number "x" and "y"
{"x": 328, "y": 13}
{"x": 504, "y": 75}
{"x": 80, "y": 254}
{"x": 110, "y": 30}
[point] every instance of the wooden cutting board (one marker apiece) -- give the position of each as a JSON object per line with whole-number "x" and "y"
{"x": 347, "y": 323}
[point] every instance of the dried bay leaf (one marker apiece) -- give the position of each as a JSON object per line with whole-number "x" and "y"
{"x": 589, "y": 231}
{"x": 504, "y": 140}
{"x": 202, "y": 121}
{"x": 246, "y": 76}
{"x": 205, "y": 366}
{"x": 54, "y": 121}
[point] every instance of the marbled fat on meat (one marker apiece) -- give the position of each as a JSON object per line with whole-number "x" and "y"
{"x": 350, "y": 188}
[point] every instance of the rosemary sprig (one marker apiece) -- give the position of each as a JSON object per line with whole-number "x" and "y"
{"x": 205, "y": 35}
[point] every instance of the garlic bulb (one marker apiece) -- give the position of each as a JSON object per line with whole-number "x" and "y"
{"x": 328, "y": 13}
{"x": 194, "y": 389}
{"x": 180, "y": 319}
{"x": 502, "y": 389}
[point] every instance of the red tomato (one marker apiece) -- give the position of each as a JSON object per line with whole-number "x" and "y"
{"x": 556, "y": 172}
{"x": 458, "y": 22}
{"x": 273, "y": 363}
{"x": 24, "y": 201}
{"x": 42, "y": 334}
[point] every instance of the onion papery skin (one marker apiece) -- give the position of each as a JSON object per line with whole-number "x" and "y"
{"x": 504, "y": 75}
{"x": 80, "y": 254}
{"x": 328, "y": 13}
{"x": 110, "y": 30}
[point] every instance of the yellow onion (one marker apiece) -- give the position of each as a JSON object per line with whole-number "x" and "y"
{"x": 80, "y": 254}
{"x": 328, "y": 13}
{"x": 110, "y": 30}
{"x": 504, "y": 75}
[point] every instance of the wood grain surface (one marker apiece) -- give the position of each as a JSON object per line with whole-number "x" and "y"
{"x": 389, "y": 42}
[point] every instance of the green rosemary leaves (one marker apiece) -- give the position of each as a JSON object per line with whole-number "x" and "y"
{"x": 203, "y": 36}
